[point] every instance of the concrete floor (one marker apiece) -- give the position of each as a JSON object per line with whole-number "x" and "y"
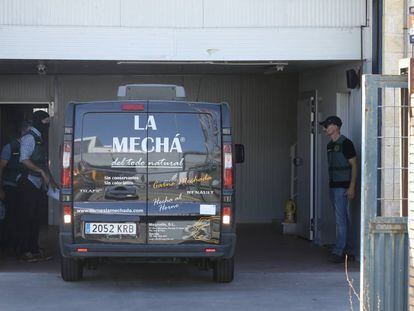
{"x": 272, "y": 273}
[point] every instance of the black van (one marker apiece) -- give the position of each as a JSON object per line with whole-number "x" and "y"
{"x": 148, "y": 180}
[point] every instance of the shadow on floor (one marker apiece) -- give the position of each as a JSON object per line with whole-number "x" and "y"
{"x": 273, "y": 272}
{"x": 259, "y": 249}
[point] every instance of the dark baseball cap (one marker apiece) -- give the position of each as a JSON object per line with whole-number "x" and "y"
{"x": 331, "y": 120}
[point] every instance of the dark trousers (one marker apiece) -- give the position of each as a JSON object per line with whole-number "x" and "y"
{"x": 9, "y": 230}
{"x": 31, "y": 200}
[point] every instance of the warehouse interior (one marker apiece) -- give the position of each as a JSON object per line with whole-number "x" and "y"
{"x": 269, "y": 118}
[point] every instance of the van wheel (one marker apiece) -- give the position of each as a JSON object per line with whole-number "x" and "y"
{"x": 71, "y": 269}
{"x": 223, "y": 270}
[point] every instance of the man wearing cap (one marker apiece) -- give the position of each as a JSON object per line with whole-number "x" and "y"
{"x": 342, "y": 183}
{"x": 32, "y": 183}
{"x": 10, "y": 169}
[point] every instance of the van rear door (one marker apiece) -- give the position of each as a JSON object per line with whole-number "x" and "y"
{"x": 184, "y": 173}
{"x": 110, "y": 173}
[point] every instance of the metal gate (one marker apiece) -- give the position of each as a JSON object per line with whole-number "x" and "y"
{"x": 384, "y": 193}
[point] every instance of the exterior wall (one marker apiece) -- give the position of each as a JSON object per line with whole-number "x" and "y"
{"x": 394, "y": 48}
{"x": 394, "y": 40}
{"x": 264, "y": 120}
{"x": 183, "y": 13}
{"x": 329, "y": 82}
{"x": 410, "y": 223}
{"x": 182, "y": 30}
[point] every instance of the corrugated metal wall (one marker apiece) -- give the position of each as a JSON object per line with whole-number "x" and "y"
{"x": 388, "y": 271}
{"x": 264, "y": 116}
{"x": 16, "y": 88}
{"x": 184, "y": 13}
{"x": 282, "y": 13}
{"x": 182, "y": 30}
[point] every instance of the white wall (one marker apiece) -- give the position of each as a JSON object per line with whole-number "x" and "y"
{"x": 184, "y": 13}
{"x": 181, "y": 30}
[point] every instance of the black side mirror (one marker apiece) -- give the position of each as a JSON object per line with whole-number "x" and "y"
{"x": 239, "y": 153}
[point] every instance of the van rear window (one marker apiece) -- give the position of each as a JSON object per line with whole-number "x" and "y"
{"x": 130, "y": 149}
{"x": 123, "y": 140}
{"x": 108, "y": 137}
{"x": 191, "y": 174}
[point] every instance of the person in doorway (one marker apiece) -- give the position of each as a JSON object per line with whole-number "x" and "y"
{"x": 10, "y": 169}
{"x": 342, "y": 163}
{"x": 32, "y": 184}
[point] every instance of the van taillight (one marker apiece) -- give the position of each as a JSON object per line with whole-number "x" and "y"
{"x": 66, "y": 165}
{"x": 133, "y": 107}
{"x": 226, "y": 215}
{"x": 67, "y": 214}
{"x": 228, "y": 167}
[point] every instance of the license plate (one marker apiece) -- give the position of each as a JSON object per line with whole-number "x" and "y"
{"x": 110, "y": 228}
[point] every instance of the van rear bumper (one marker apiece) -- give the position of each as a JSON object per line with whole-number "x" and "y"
{"x": 224, "y": 250}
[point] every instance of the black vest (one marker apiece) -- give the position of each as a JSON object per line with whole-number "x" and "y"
{"x": 13, "y": 168}
{"x": 339, "y": 168}
{"x": 39, "y": 155}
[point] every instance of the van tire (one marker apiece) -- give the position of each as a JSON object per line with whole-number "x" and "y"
{"x": 71, "y": 269}
{"x": 223, "y": 270}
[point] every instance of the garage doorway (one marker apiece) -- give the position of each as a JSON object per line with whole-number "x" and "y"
{"x": 11, "y": 115}
{"x": 264, "y": 105}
